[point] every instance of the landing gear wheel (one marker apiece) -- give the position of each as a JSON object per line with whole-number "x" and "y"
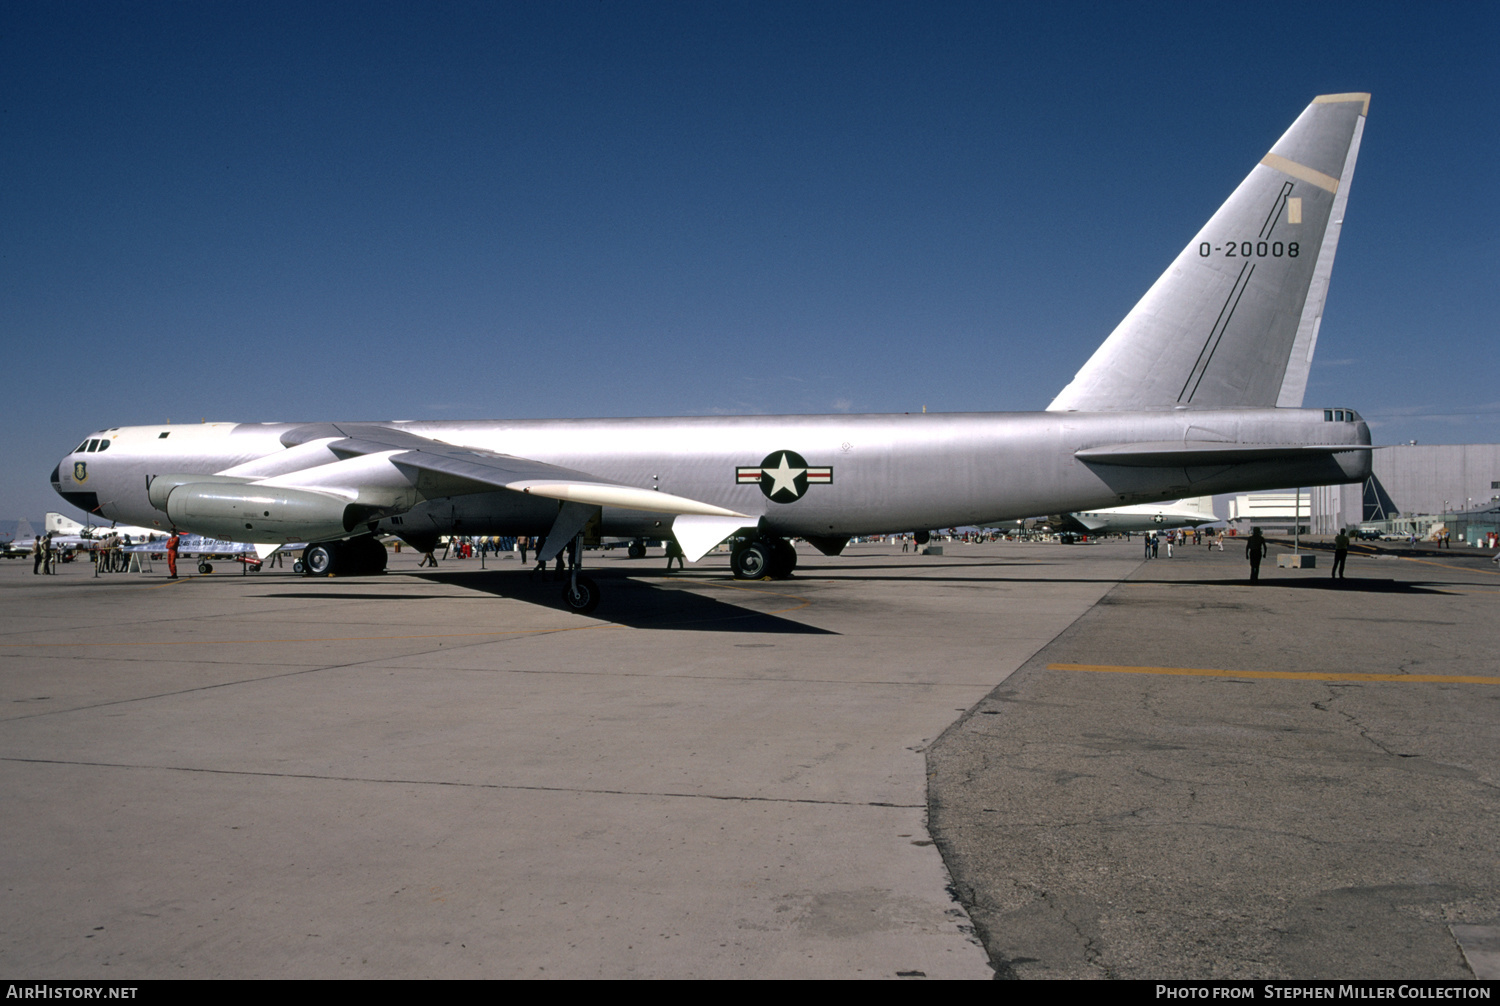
{"x": 321, "y": 559}
{"x": 751, "y": 561}
{"x": 365, "y": 556}
{"x": 582, "y": 597}
{"x": 637, "y": 549}
{"x": 205, "y": 567}
{"x": 297, "y": 566}
{"x": 783, "y": 559}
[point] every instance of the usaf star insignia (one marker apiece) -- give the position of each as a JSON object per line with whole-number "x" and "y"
{"x": 783, "y": 476}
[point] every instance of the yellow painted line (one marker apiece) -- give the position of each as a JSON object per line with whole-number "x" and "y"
{"x": 1301, "y": 172}
{"x": 1206, "y": 672}
{"x": 1444, "y": 565}
{"x": 328, "y": 639}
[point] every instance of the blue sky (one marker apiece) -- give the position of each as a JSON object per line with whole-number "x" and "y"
{"x": 257, "y": 212}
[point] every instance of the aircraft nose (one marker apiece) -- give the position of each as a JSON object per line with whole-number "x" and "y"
{"x": 66, "y": 486}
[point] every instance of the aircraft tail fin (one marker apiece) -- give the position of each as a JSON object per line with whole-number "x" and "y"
{"x": 58, "y": 524}
{"x": 1234, "y": 320}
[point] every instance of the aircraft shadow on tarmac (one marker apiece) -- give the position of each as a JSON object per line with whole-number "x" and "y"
{"x": 630, "y": 601}
{"x": 1353, "y": 584}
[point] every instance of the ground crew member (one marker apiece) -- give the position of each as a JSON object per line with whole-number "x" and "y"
{"x": 1255, "y": 551}
{"x": 172, "y": 542}
{"x": 1340, "y": 553}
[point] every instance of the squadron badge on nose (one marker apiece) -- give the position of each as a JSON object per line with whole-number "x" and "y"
{"x": 80, "y": 471}
{"x": 784, "y": 476}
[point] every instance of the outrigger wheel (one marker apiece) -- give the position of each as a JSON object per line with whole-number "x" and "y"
{"x": 581, "y": 595}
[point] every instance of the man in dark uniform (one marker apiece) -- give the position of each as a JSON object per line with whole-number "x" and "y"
{"x": 1340, "y": 553}
{"x": 1255, "y": 551}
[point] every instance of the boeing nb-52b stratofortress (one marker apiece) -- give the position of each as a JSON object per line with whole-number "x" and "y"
{"x": 1198, "y": 391}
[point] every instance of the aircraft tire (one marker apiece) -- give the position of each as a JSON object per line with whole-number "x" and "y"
{"x": 583, "y": 599}
{"x": 205, "y": 567}
{"x": 322, "y": 559}
{"x": 783, "y": 558}
{"x": 751, "y": 561}
{"x": 366, "y": 555}
{"x": 637, "y": 550}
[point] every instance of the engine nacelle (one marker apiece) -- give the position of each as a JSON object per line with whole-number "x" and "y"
{"x": 239, "y": 512}
{"x": 161, "y": 486}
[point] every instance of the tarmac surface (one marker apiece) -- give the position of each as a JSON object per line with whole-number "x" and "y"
{"x": 1208, "y": 778}
{"x": 444, "y": 774}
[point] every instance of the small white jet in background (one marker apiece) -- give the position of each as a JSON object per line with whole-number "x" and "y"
{"x": 1146, "y": 516}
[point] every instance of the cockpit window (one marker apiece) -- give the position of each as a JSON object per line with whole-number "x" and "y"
{"x": 163, "y": 436}
{"x": 1340, "y": 416}
{"x": 104, "y": 445}
{"x": 92, "y": 447}
{"x": 81, "y": 447}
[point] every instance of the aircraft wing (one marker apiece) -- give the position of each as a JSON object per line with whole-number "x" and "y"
{"x": 379, "y": 466}
{"x": 492, "y": 470}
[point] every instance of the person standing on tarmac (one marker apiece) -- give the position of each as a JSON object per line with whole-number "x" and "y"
{"x": 1255, "y": 551}
{"x": 38, "y": 554}
{"x": 1340, "y": 553}
{"x": 173, "y": 540}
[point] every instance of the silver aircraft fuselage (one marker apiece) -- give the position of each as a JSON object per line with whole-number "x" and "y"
{"x": 806, "y": 476}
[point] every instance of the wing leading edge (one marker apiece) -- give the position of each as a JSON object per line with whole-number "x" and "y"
{"x": 381, "y": 467}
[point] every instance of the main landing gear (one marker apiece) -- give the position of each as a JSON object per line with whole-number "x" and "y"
{"x": 763, "y": 559}
{"x": 362, "y": 556}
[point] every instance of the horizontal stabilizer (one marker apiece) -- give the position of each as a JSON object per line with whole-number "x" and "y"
{"x": 1178, "y": 453}
{"x": 697, "y": 534}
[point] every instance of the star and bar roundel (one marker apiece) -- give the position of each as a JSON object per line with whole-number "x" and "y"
{"x": 783, "y": 476}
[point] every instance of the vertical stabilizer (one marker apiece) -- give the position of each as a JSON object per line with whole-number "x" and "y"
{"x": 1234, "y": 321}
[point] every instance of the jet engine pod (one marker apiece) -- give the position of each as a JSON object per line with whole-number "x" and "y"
{"x": 159, "y": 487}
{"x": 238, "y": 512}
